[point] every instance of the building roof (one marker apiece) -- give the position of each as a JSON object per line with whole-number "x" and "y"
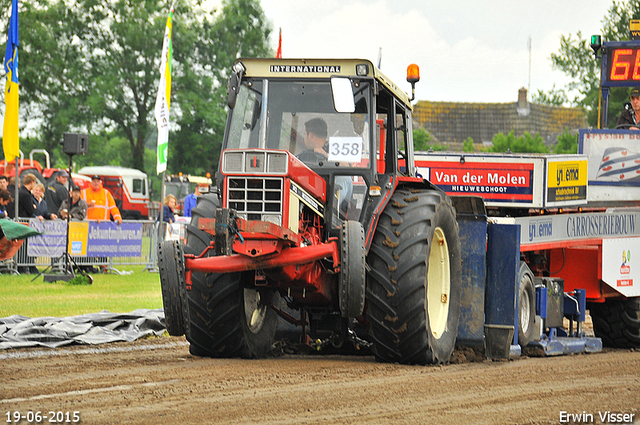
{"x": 452, "y": 123}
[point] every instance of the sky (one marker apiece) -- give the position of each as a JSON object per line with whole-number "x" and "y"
{"x": 467, "y": 50}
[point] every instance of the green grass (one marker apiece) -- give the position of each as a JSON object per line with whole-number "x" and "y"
{"x": 117, "y": 294}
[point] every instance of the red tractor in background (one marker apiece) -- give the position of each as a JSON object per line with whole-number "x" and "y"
{"x": 342, "y": 232}
{"x": 30, "y": 166}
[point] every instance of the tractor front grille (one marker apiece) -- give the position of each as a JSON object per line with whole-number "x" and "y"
{"x": 254, "y": 162}
{"x": 256, "y": 198}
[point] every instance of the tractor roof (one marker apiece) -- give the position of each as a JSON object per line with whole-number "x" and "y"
{"x": 318, "y": 68}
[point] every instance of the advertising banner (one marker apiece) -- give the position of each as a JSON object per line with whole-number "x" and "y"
{"x": 51, "y": 242}
{"x": 614, "y": 156}
{"x": 513, "y": 181}
{"x": 107, "y": 239}
{"x": 565, "y": 227}
{"x": 620, "y": 268}
{"x": 86, "y": 239}
{"x": 566, "y": 181}
{"x": 614, "y": 165}
{"x": 78, "y": 235}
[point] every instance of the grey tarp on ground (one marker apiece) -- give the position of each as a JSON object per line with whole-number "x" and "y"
{"x": 95, "y": 328}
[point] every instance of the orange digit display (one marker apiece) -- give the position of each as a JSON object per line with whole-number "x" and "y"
{"x": 620, "y": 65}
{"x": 636, "y": 67}
{"x": 624, "y": 65}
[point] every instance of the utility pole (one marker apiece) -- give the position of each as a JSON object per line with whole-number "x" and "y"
{"x": 529, "y": 47}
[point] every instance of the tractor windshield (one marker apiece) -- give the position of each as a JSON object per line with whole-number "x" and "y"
{"x": 299, "y": 116}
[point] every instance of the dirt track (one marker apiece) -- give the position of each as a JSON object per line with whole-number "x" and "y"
{"x": 158, "y": 381}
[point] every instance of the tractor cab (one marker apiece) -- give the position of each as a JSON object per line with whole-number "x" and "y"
{"x": 324, "y": 115}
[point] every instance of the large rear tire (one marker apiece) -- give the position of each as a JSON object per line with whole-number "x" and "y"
{"x": 172, "y": 283}
{"x": 415, "y": 281}
{"x": 617, "y": 322}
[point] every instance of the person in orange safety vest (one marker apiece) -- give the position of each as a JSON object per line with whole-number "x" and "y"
{"x": 100, "y": 202}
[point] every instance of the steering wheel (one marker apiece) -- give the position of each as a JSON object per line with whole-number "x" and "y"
{"x": 311, "y": 157}
{"x": 626, "y": 126}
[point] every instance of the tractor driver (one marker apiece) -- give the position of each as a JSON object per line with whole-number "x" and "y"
{"x": 315, "y": 141}
{"x": 315, "y": 138}
{"x": 630, "y": 116}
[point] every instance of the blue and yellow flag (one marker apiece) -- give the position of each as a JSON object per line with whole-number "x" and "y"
{"x": 163, "y": 99}
{"x": 10, "y": 139}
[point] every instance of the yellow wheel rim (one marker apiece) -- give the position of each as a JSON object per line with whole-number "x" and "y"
{"x": 438, "y": 284}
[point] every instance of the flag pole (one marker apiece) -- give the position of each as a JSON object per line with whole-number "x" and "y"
{"x": 11, "y": 128}
{"x": 279, "y": 51}
{"x": 163, "y": 189}
{"x": 16, "y": 185}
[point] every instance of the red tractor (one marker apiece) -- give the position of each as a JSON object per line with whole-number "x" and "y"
{"x": 318, "y": 204}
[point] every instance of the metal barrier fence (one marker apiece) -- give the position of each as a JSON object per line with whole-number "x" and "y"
{"x": 22, "y": 263}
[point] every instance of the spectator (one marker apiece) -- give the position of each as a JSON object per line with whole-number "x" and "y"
{"x": 26, "y": 209}
{"x": 191, "y": 201}
{"x": 4, "y": 182}
{"x": 57, "y": 192}
{"x": 170, "y": 202}
{"x": 42, "y": 211}
{"x": 78, "y": 208}
{"x": 12, "y": 186}
{"x": 630, "y": 117}
{"x": 26, "y": 203}
{"x": 5, "y": 199}
{"x": 100, "y": 202}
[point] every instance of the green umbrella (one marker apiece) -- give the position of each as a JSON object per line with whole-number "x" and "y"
{"x": 15, "y": 231}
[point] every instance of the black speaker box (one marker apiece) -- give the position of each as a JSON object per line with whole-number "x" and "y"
{"x": 75, "y": 144}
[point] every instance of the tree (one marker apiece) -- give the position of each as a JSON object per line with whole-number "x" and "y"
{"x": 523, "y": 144}
{"x": 554, "y": 97}
{"x": 421, "y": 139}
{"x": 567, "y": 143}
{"x": 577, "y": 60}
{"x": 467, "y": 145}
{"x": 48, "y": 71}
{"x": 241, "y": 31}
{"x": 94, "y": 66}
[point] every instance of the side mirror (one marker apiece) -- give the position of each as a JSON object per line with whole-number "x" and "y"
{"x": 234, "y": 83}
{"x": 342, "y": 95}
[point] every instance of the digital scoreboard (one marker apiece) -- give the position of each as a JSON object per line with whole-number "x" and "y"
{"x": 622, "y": 64}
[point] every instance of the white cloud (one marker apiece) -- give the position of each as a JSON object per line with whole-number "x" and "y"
{"x": 467, "y": 50}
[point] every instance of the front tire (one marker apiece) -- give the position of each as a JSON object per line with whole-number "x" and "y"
{"x": 172, "y": 283}
{"x": 227, "y": 317}
{"x": 617, "y": 322}
{"x": 352, "y": 273}
{"x": 229, "y": 320}
{"x": 415, "y": 281}
{"x": 526, "y": 305}
{"x": 197, "y": 241}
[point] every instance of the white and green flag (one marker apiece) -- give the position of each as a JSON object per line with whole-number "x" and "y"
{"x": 163, "y": 100}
